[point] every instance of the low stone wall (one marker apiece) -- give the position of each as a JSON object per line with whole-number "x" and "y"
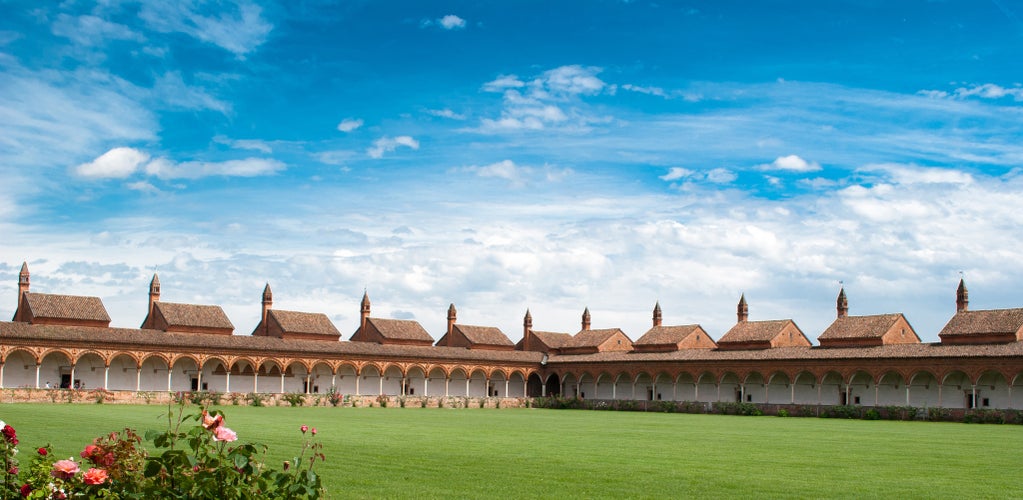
{"x": 81, "y": 396}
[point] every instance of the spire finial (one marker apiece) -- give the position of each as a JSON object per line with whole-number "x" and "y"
{"x": 962, "y": 295}
{"x": 657, "y": 313}
{"x": 586, "y": 318}
{"x": 842, "y": 304}
{"x": 742, "y": 310}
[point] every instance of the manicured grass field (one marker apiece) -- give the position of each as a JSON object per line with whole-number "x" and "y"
{"x": 532, "y": 453}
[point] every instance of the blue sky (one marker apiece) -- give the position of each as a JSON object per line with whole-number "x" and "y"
{"x": 549, "y": 155}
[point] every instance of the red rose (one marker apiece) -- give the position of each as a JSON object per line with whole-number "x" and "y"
{"x": 9, "y": 434}
{"x": 26, "y": 489}
{"x": 90, "y": 451}
{"x": 42, "y": 451}
{"x": 13, "y": 471}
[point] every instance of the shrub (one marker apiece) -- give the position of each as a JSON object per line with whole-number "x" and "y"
{"x": 873, "y": 414}
{"x": 147, "y": 396}
{"x": 939, "y": 414}
{"x": 423, "y": 402}
{"x": 255, "y": 398}
{"x": 333, "y": 397}
{"x": 100, "y": 395}
{"x": 295, "y": 399}
{"x": 382, "y": 400}
{"x": 193, "y": 463}
{"x": 783, "y": 412}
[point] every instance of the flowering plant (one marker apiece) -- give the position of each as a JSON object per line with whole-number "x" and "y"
{"x": 203, "y": 461}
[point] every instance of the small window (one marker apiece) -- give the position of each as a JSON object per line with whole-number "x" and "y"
{"x": 749, "y": 398}
{"x": 985, "y": 402}
{"x": 619, "y": 341}
{"x": 856, "y": 400}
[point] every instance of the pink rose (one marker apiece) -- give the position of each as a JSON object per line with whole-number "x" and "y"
{"x": 304, "y": 428}
{"x": 224, "y": 434}
{"x": 314, "y": 431}
{"x": 95, "y": 476}
{"x": 211, "y": 423}
{"x": 64, "y": 469}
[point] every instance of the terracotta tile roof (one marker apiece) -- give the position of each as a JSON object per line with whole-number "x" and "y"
{"x": 132, "y": 340}
{"x": 72, "y": 307}
{"x": 484, "y": 335}
{"x": 860, "y": 327}
{"x": 659, "y": 335}
{"x": 805, "y": 355}
{"x": 754, "y": 331}
{"x": 400, "y": 329}
{"x": 554, "y": 340}
{"x": 303, "y": 322}
{"x": 591, "y": 338}
{"x": 193, "y": 315}
{"x": 990, "y": 321}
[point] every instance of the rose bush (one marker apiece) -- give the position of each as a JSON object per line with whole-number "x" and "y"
{"x": 200, "y": 461}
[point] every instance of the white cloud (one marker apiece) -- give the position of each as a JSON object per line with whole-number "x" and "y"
{"x": 349, "y": 124}
{"x": 913, "y": 174}
{"x": 676, "y": 173}
{"x": 573, "y": 79}
{"x": 117, "y": 163}
{"x": 171, "y": 91}
{"x": 502, "y": 83}
{"x": 446, "y": 113}
{"x": 91, "y": 30}
{"x": 505, "y": 169}
{"x": 984, "y": 91}
{"x": 142, "y": 186}
{"x": 250, "y": 144}
{"x": 791, "y": 163}
{"x": 389, "y": 144}
{"x": 721, "y": 176}
{"x": 238, "y": 30}
{"x": 656, "y": 91}
{"x": 451, "y": 22}
{"x": 248, "y": 167}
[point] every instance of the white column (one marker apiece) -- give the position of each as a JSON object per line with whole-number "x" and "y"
{"x": 467, "y": 385}
{"x": 4, "y": 365}
{"x": 308, "y": 382}
{"x": 907, "y": 394}
{"x": 282, "y": 381}
{"x": 138, "y": 378}
{"x": 380, "y": 379}
{"x": 106, "y": 377}
{"x": 506, "y": 382}
{"x": 357, "y": 377}
{"x": 717, "y": 386}
{"x": 426, "y": 386}
{"x": 696, "y": 390}
{"x": 525, "y": 384}
{"x": 72, "y": 375}
{"x": 792, "y": 399}
{"x": 169, "y": 370}
{"x": 876, "y": 386}
{"x": 333, "y": 378}
{"x": 227, "y": 381}
{"x": 614, "y": 389}
{"x": 255, "y": 380}
{"x": 198, "y": 377}
{"x": 973, "y": 392}
{"x": 447, "y": 382}
{"x": 38, "y": 366}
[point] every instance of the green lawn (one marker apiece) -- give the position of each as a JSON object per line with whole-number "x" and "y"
{"x": 532, "y": 453}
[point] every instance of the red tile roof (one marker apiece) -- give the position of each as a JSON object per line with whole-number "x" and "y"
{"x": 303, "y": 322}
{"x": 70, "y": 307}
{"x": 484, "y": 335}
{"x": 860, "y": 327}
{"x": 193, "y": 316}
{"x": 553, "y": 340}
{"x": 754, "y": 331}
{"x": 400, "y": 329}
{"x": 660, "y": 335}
{"x": 591, "y": 338}
{"x": 984, "y": 322}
